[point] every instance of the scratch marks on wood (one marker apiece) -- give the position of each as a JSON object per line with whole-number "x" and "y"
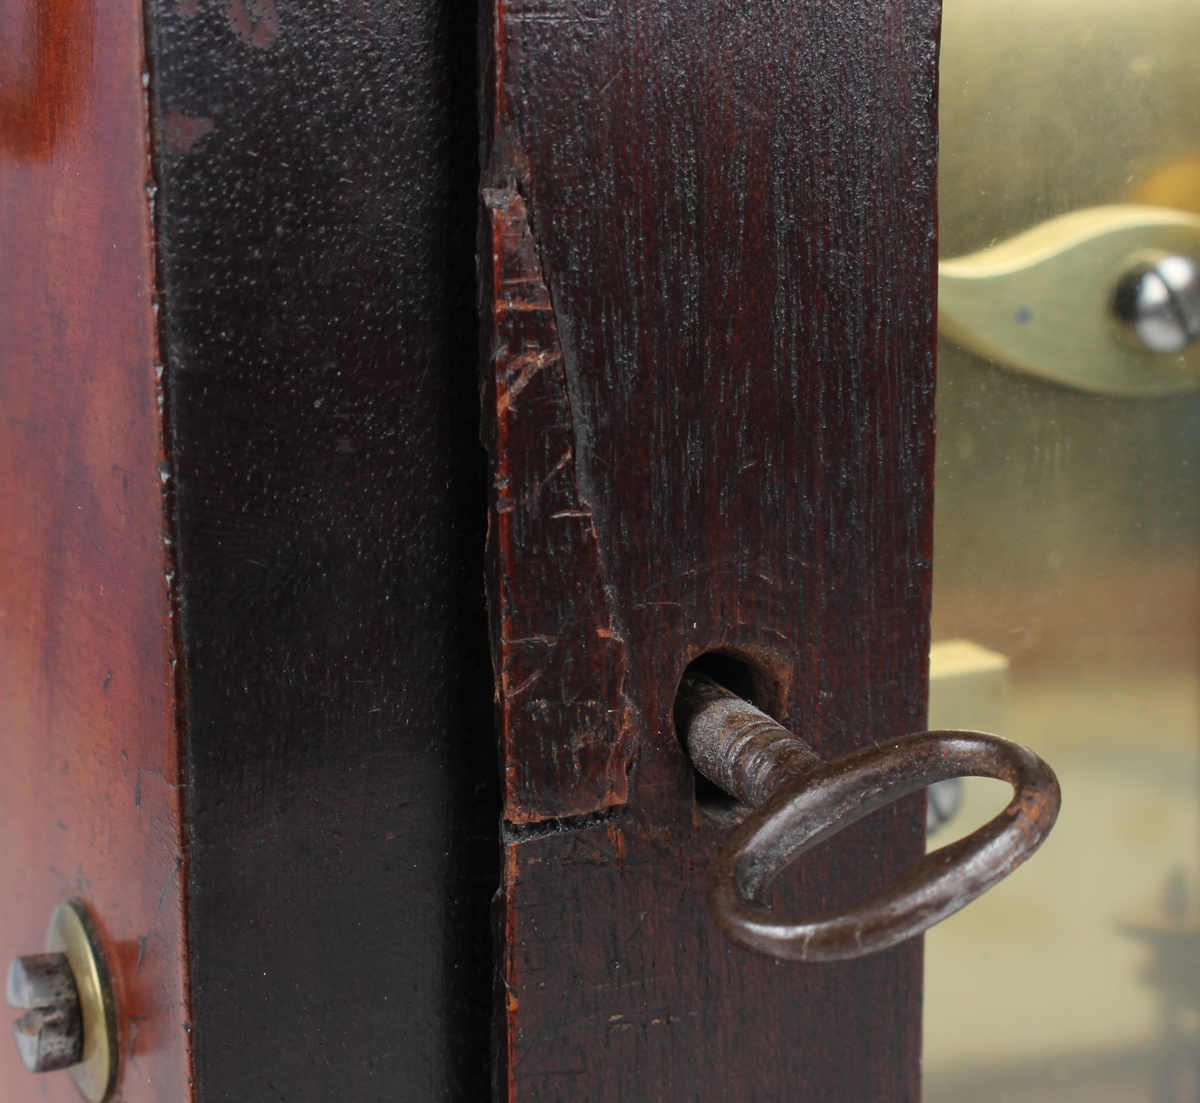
{"x": 734, "y": 221}
{"x": 170, "y": 786}
{"x": 566, "y": 727}
{"x": 144, "y": 941}
{"x": 578, "y": 13}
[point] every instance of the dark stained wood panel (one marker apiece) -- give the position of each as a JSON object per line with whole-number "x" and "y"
{"x": 318, "y": 182}
{"x": 732, "y": 210}
{"x": 90, "y": 799}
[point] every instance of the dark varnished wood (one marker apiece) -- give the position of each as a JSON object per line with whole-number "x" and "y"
{"x": 561, "y": 662}
{"x": 317, "y": 197}
{"x": 732, "y": 208}
{"x": 90, "y": 799}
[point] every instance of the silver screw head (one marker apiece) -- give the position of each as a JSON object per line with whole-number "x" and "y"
{"x": 944, "y": 799}
{"x": 50, "y": 1034}
{"x": 1160, "y": 302}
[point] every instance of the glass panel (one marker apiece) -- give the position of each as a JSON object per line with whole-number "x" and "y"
{"x": 1067, "y": 553}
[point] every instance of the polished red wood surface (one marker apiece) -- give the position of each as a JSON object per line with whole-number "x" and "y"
{"x": 89, "y": 774}
{"x": 45, "y": 78}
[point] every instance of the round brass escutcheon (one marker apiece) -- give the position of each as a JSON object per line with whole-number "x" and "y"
{"x": 73, "y": 932}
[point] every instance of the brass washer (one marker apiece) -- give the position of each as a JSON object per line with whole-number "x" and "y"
{"x": 73, "y": 932}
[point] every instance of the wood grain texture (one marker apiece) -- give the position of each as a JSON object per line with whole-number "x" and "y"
{"x": 42, "y": 87}
{"x": 89, "y": 767}
{"x": 317, "y": 166}
{"x": 733, "y": 207}
{"x": 559, "y": 659}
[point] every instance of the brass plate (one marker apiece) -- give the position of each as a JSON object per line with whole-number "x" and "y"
{"x": 72, "y": 932}
{"x": 1041, "y": 302}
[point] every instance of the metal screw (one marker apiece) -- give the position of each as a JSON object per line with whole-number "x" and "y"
{"x": 944, "y": 800}
{"x": 1161, "y": 302}
{"x": 50, "y": 1033}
